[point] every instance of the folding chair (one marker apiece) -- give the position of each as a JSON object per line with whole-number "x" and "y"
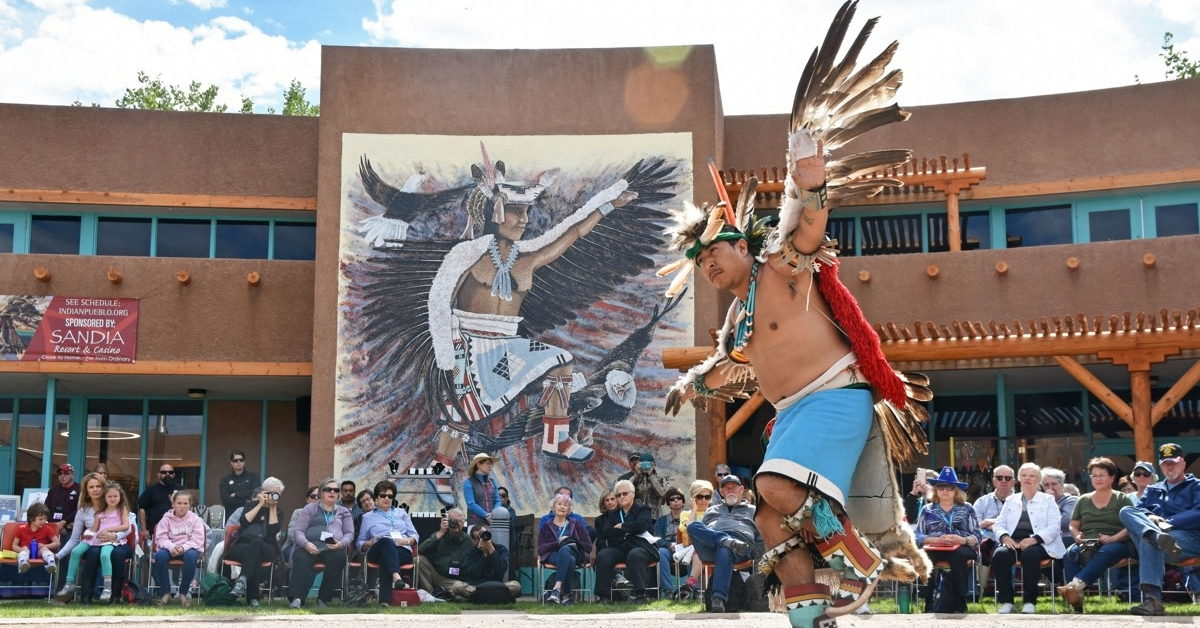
{"x": 361, "y": 562}
{"x": 174, "y": 564}
{"x": 580, "y": 592}
{"x": 6, "y": 543}
{"x": 651, "y": 565}
{"x": 707, "y": 568}
{"x": 230, "y": 533}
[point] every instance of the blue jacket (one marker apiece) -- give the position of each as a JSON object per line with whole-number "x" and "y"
{"x": 1179, "y": 504}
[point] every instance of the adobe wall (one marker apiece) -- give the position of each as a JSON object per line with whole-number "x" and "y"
{"x": 1125, "y": 130}
{"x": 125, "y": 150}
{"x": 492, "y": 92}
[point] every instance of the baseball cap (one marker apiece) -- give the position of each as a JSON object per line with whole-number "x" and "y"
{"x": 1170, "y": 452}
{"x": 66, "y": 467}
{"x": 731, "y": 478}
{"x": 647, "y": 457}
{"x": 634, "y": 456}
{"x": 1144, "y": 466}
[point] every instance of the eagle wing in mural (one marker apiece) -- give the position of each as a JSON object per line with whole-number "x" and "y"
{"x": 616, "y": 246}
{"x": 401, "y": 206}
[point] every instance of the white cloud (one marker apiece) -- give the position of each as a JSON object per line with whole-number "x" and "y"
{"x": 74, "y": 51}
{"x": 204, "y": 5}
{"x": 972, "y": 52}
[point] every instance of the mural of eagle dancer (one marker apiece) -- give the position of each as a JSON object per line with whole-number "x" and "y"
{"x": 457, "y": 320}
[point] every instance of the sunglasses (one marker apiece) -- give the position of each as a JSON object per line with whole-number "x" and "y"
{"x": 944, "y": 487}
{"x": 705, "y": 497}
{"x": 1141, "y": 474}
{"x": 1003, "y": 478}
{"x": 331, "y": 489}
{"x": 238, "y": 459}
{"x": 313, "y": 496}
{"x": 166, "y": 473}
{"x": 624, "y": 493}
{"x": 676, "y": 498}
{"x": 385, "y": 496}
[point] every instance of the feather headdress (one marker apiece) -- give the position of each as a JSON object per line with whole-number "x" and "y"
{"x": 694, "y": 228}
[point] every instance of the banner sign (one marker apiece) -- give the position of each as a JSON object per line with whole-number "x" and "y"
{"x": 68, "y": 329}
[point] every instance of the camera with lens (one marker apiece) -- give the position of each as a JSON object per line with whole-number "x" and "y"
{"x": 486, "y": 535}
{"x": 273, "y": 496}
{"x": 453, "y": 524}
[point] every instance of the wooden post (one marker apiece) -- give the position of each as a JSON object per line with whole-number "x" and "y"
{"x": 953, "y": 230}
{"x": 1143, "y": 429}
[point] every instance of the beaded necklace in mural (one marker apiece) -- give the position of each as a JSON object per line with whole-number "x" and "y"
{"x": 745, "y": 321}
{"x": 503, "y": 281}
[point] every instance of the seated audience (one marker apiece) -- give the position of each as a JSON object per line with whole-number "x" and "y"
{"x": 180, "y": 535}
{"x": 666, "y": 529}
{"x": 486, "y": 561}
{"x": 387, "y": 538}
{"x": 257, "y": 540}
{"x": 625, "y": 529}
{"x": 1029, "y": 530}
{"x": 1165, "y": 525}
{"x": 701, "y": 492}
{"x": 725, "y": 536}
{"x": 1096, "y": 521}
{"x": 949, "y": 532}
{"x": 322, "y": 532}
{"x": 564, "y": 543}
{"x": 442, "y": 555}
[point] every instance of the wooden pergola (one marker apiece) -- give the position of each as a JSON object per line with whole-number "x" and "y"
{"x": 1136, "y": 342}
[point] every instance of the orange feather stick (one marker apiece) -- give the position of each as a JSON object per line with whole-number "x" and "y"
{"x": 722, "y": 192}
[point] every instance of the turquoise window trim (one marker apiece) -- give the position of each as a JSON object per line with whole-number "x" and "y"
{"x": 271, "y": 239}
{"x": 1151, "y": 202}
{"x": 20, "y": 224}
{"x": 1083, "y": 209}
{"x": 87, "y": 233}
{"x": 203, "y": 450}
{"x": 144, "y": 446}
{"x": 154, "y": 236}
{"x": 48, "y": 432}
{"x": 212, "y": 238}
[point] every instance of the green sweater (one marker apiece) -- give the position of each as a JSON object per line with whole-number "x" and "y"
{"x": 448, "y": 549}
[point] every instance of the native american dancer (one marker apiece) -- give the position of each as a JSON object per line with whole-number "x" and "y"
{"x": 463, "y": 316}
{"x": 796, "y": 334}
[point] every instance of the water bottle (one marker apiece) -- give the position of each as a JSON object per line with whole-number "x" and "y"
{"x": 903, "y": 598}
{"x": 33, "y": 549}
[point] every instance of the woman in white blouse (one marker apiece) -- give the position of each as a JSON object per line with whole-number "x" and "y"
{"x": 1029, "y": 530}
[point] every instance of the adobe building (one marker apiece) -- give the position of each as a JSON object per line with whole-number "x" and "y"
{"x": 1061, "y": 313}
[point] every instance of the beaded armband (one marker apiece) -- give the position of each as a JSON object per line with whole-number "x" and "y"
{"x": 701, "y": 388}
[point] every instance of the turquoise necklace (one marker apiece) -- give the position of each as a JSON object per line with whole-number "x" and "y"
{"x": 502, "y": 283}
{"x": 745, "y": 322}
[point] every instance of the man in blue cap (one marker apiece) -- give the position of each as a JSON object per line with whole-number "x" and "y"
{"x": 1165, "y": 525}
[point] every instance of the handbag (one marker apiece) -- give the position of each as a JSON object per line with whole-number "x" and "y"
{"x": 405, "y": 597}
{"x": 1087, "y": 550}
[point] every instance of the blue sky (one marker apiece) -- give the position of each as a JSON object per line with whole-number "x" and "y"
{"x": 56, "y": 51}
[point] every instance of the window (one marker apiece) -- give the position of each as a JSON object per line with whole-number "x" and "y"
{"x": 842, "y": 230}
{"x": 55, "y": 235}
{"x": 1038, "y": 226}
{"x": 123, "y": 236}
{"x": 243, "y": 239}
{"x": 30, "y": 446}
{"x": 889, "y": 235}
{"x": 1109, "y": 225}
{"x": 975, "y": 231}
{"x": 298, "y": 241}
{"x": 7, "y": 233}
{"x": 1177, "y": 219}
{"x": 183, "y": 238}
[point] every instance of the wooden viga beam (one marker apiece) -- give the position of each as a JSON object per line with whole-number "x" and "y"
{"x": 937, "y": 173}
{"x": 1046, "y": 336}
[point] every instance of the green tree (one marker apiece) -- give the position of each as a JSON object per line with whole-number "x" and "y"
{"x": 153, "y": 94}
{"x": 1177, "y": 62}
{"x": 295, "y": 103}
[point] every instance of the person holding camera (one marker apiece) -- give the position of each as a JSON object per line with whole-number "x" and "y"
{"x": 441, "y": 555}
{"x": 648, "y": 486}
{"x": 486, "y": 562}
{"x": 323, "y": 531}
{"x": 387, "y": 536}
{"x": 255, "y": 542}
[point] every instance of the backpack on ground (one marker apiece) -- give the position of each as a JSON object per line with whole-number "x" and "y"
{"x": 217, "y": 591}
{"x": 492, "y": 593}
